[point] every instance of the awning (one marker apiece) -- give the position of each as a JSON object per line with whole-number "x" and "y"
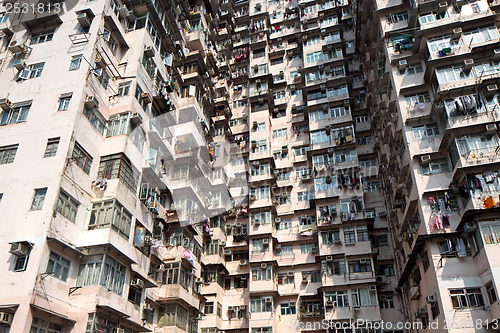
{"x": 42, "y": 22}
{"x": 59, "y": 242}
{"x": 9, "y": 308}
{"x": 51, "y": 313}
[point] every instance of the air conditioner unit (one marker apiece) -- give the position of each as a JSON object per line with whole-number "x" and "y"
{"x": 425, "y": 159}
{"x": 243, "y": 262}
{"x": 19, "y": 64}
{"x": 372, "y": 288}
{"x": 149, "y": 52}
{"x": 469, "y": 226}
{"x": 146, "y": 97}
{"x": 329, "y": 258}
{"x": 269, "y": 299}
{"x": 468, "y": 63}
{"x": 402, "y": 65}
{"x": 19, "y": 249}
{"x": 490, "y": 129}
{"x": 265, "y": 241}
{"x": 457, "y": 32}
{"x": 442, "y": 7}
{"x": 97, "y": 72}
{"x": 5, "y": 104}
{"x": 431, "y": 299}
{"x": 136, "y": 118}
{"x": 137, "y": 283}
{"x": 91, "y": 102}
{"x": 17, "y": 46}
{"x": 491, "y": 89}
{"x": 421, "y": 311}
{"x": 83, "y": 19}
{"x": 496, "y": 54}
{"x": 263, "y": 266}
{"x": 5, "y": 318}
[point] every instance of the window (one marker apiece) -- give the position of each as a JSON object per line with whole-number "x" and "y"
{"x": 101, "y": 270}
{"x": 4, "y": 17}
{"x": 51, "y": 148}
{"x": 360, "y": 266}
{"x": 305, "y": 196}
{"x": 67, "y": 206}
{"x": 42, "y": 37}
{"x": 20, "y": 263}
{"x": 110, "y": 214}
{"x": 331, "y": 236}
{"x": 96, "y": 119}
{"x": 135, "y": 293}
{"x": 437, "y": 166}
{"x": 398, "y": 17}
{"x": 8, "y": 153}
{"x": 262, "y": 192}
{"x": 466, "y": 298}
{"x": 82, "y": 158}
{"x": 38, "y": 198}
{"x": 425, "y": 261}
{"x": 307, "y": 248}
{"x": 349, "y": 235}
{"x": 124, "y": 89}
{"x": 279, "y": 133}
{"x": 118, "y": 166}
{"x": 413, "y": 69}
{"x": 58, "y": 266}
{"x": 17, "y": 114}
{"x": 286, "y": 250}
{"x": 340, "y": 298}
{"x": 284, "y": 224}
{"x": 451, "y": 74}
{"x": 287, "y": 309}
{"x": 312, "y": 276}
{"x": 425, "y": 131}
{"x": 31, "y": 72}
{"x": 362, "y": 232}
{"x": 63, "y": 103}
{"x": 387, "y": 302}
{"x": 435, "y": 310}
{"x": 492, "y": 294}
{"x": 219, "y": 309}
{"x": 209, "y": 308}
{"x": 261, "y": 273}
{"x": 490, "y": 233}
{"x": 75, "y": 62}
{"x": 455, "y": 247}
{"x": 261, "y": 304}
{"x": 258, "y": 245}
{"x": 333, "y": 267}
{"x": 43, "y": 326}
{"x": 363, "y": 297}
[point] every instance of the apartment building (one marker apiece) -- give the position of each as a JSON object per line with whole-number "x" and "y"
{"x": 433, "y": 85}
{"x": 194, "y": 166}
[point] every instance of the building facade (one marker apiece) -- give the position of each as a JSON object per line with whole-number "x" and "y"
{"x": 433, "y": 79}
{"x": 248, "y": 166}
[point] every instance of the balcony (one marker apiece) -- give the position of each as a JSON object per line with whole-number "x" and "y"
{"x": 176, "y": 291}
